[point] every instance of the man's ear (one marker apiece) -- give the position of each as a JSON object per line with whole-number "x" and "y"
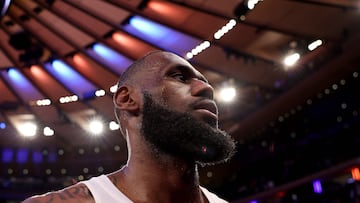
{"x": 126, "y": 99}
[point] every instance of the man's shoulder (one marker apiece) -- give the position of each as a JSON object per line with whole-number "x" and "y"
{"x": 212, "y": 197}
{"x": 75, "y": 193}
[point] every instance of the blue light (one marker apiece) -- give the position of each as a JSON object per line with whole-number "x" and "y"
{"x": 37, "y": 157}
{"x": 110, "y": 58}
{"x": 64, "y": 70}
{"x": 70, "y": 78}
{"x": 22, "y": 156}
{"x": 23, "y": 87}
{"x": 7, "y": 155}
{"x": 160, "y": 35}
{"x": 52, "y": 157}
{"x": 317, "y": 186}
{"x": 2, "y": 125}
{"x": 152, "y": 29}
{"x": 19, "y": 79}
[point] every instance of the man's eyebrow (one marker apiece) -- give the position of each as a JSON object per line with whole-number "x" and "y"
{"x": 188, "y": 70}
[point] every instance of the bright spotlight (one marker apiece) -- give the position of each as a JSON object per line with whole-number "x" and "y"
{"x": 227, "y": 94}
{"x": 113, "y": 88}
{"x": 28, "y": 129}
{"x": 96, "y": 127}
{"x": 291, "y": 59}
{"x": 315, "y": 44}
{"x": 113, "y": 125}
{"x": 47, "y": 131}
{"x": 100, "y": 93}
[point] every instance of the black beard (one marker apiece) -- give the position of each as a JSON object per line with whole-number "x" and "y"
{"x": 182, "y": 136}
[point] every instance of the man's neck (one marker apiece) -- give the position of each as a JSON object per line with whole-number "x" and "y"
{"x": 159, "y": 179}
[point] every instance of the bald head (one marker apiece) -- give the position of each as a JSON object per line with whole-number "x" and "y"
{"x": 128, "y": 76}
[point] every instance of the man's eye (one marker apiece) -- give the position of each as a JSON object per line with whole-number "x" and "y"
{"x": 179, "y": 76}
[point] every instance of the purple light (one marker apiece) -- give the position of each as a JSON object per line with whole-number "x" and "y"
{"x": 109, "y": 57}
{"x": 22, "y": 156}
{"x": 70, "y": 78}
{"x": 7, "y": 155}
{"x": 37, "y": 157}
{"x": 22, "y": 86}
{"x": 317, "y": 186}
{"x": 52, "y": 157}
{"x": 161, "y": 35}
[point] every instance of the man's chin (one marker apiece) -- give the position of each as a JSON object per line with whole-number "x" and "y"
{"x": 207, "y": 120}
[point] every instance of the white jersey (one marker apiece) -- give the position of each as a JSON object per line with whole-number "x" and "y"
{"x": 104, "y": 191}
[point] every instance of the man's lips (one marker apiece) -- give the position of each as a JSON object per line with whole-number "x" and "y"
{"x": 207, "y": 106}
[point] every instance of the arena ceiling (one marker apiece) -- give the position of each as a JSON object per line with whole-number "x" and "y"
{"x": 60, "y": 58}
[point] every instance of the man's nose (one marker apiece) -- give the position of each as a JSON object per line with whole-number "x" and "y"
{"x": 201, "y": 88}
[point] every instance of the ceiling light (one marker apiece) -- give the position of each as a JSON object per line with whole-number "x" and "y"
{"x": 189, "y": 55}
{"x": 113, "y": 88}
{"x": 109, "y": 57}
{"x": 314, "y": 45}
{"x": 28, "y": 129}
{"x": 227, "y": 94}
{"x": 2, "y": 125}
{"x": 225, "y": 29}
{"x": 48, "y": 131}
{"x": 43, "y": 102}
{"x": 63, "y": 171}
{"x": 67, "y": 99}
{"x": 100, "y": 93}
{"x": 160, "y": 35}
{"x": 317, "y": 186}
{"x": 113, "y": 125}
{"x": 5, "y": 4}
{"x": 7, "y": 155}
{"x": 96, "y": 127}
{"x": 355, "y": 173}
{"x": 251, "y": 4}
{"x": 291, "y": 59}
{"x": 199, "y": 48}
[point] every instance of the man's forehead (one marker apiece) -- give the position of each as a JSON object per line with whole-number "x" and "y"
{"x": 165, "y": 60}
{"x": 158, "y": 64}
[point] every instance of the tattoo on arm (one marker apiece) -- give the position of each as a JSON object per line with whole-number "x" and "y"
{"x": 71, "y": 193}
